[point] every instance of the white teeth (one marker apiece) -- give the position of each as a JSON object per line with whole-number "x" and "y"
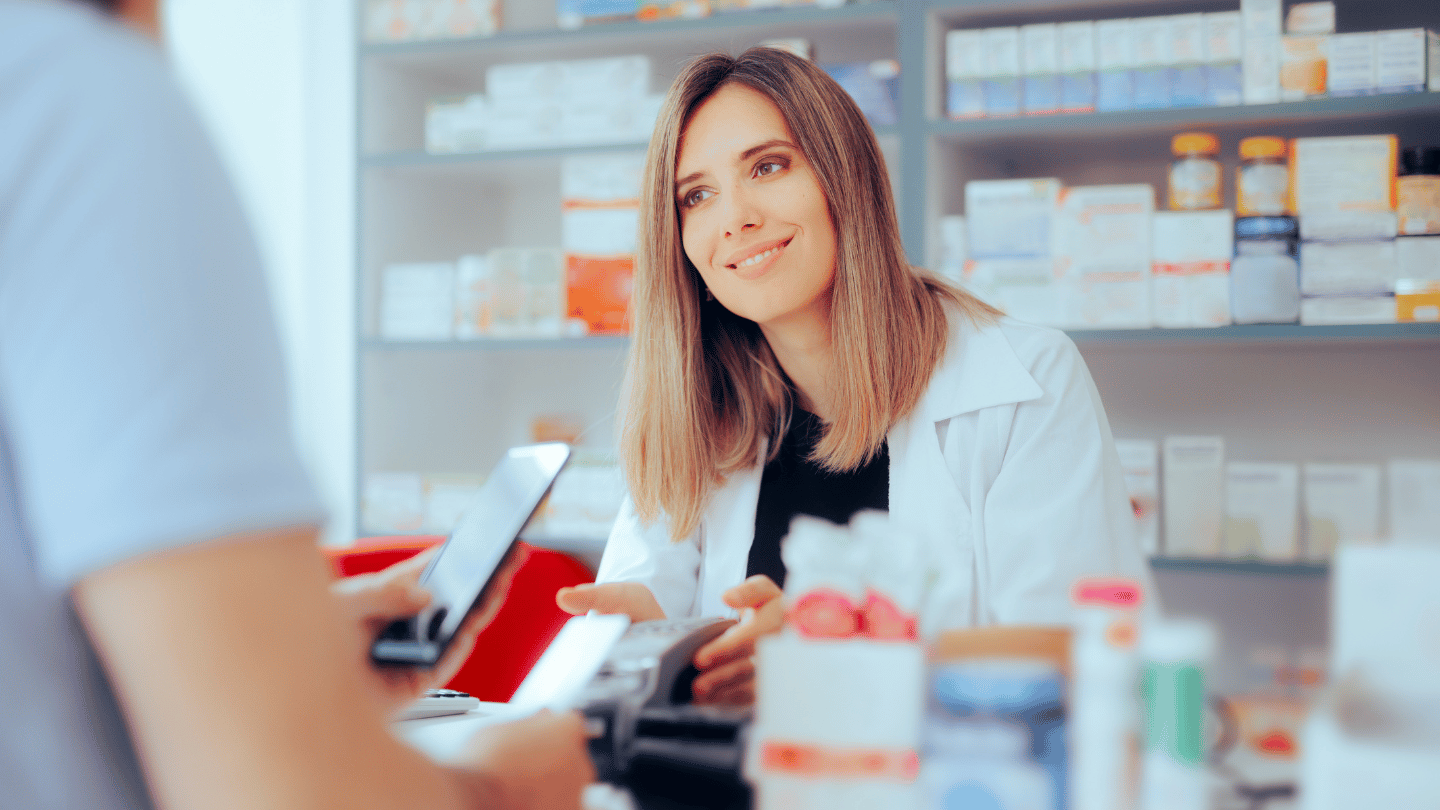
{"x": 759, "y": 257}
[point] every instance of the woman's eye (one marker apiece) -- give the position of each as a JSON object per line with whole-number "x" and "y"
{"x": 768, "y": 167}
{"x": 695, "y": 197}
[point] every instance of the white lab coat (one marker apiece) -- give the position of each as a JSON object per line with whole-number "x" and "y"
{"x": 1008, "y": 455}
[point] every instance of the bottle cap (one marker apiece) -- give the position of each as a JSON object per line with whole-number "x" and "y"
{"x": 1267, "y": 228}
{"x": 1262, "y": 147}
{"x": 1420, "y": 160}
{"x": 1189, "y": 143}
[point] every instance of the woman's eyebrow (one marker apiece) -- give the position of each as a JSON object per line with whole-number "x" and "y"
{"x": 746, "y": 155}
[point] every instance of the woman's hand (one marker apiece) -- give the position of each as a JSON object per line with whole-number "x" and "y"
{"x": 631, "y": 598}
{"x": 727, "y": 666}
{"x": 373, "y": 601}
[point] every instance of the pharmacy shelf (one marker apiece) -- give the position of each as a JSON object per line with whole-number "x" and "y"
{"x": 421, "y": 159}
{"x": 496, "y": 344}
{"x": 703, "y": 28}
{"x": 1282, "y": 569}
{"x": 1380, "y": 110}
{"x": 1265, "y": 333}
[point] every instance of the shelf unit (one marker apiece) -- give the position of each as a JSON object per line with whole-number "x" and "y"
{"x": 1276, "y": 392}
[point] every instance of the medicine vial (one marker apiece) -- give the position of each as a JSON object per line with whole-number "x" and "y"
{"x": 1263, "y": 180}
{"x": 1265, "y": 276}
{"x": 1195, "y": 174}
{"x": 1417, "y": 191}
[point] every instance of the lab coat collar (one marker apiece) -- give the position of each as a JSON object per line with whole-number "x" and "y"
{"x": 979, "y": 370}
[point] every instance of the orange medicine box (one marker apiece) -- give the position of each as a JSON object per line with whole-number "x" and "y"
{"x": 597, "y": 292}
{"x": 1417, "y": 300}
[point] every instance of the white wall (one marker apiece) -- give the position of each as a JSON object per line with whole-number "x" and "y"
{"x": 274, "y": 80}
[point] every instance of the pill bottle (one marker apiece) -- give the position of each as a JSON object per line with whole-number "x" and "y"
{"x": 1417, "y": 191}
{"x": 1262, "y": 182}
{"x": 1265, "y": 275}
{"x": 1195, "y": 174}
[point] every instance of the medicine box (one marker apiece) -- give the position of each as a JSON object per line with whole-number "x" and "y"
{"x": 1262, "y": 506}
{"x": 1188, "y": 58}
{"x": 1348, "y": 225}
{"x": 1190, "y": 284}
{"x": 1341, "y": 507}
{"x": 1414, "y": 500}
{"x": 1040, "y": 66}
{"x": 417, "y": 301}
{"x": 400, "y": 20}
{"x": 1153, "y": 58}
{"x": 1115, "y": 58}
{"x": 1103, "y": 236}
{"x": 1260, "y": 67}
{"x": 1262, "y": 18}
{"x": 1009, "y": 218}
{"x": 474, "y": 296}
{"x": 1194, "y": 495}
{"x": 1347, "y": 309}
{"x": 1348, "y": 268}
{"x": 570, "y": 14}
{"x": 1302, "y": 66}
{"x": 1024, "y": 288}
{"x": 1417, "y": 300}
{"x": 1140, "y": 462}
{"x": 1224, "y": 50}
{"x": 964, "y": 74}
{"x": 1401, "y": 58}
{"x": 874, "y": 85}
{"x": 1310, "y": 18}
{"x": 1078, "y": 64}
{"x": 1351, "y": 65}
{"x": 1343, "y": 173}
{"x": 1001, "y": 80}
{"x": 456, "y": 124}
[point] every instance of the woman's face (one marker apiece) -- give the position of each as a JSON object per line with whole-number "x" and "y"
{"x": 753, "y": 219}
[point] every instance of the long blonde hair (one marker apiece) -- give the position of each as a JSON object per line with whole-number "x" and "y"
{"x": 702, "y": 388}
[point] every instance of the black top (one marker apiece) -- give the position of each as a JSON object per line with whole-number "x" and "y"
{"x": 793, "y": 485}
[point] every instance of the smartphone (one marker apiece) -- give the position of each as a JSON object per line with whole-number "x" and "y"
{"x": 462, "y": 572}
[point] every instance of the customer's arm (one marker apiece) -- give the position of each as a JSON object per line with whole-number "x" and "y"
{"x": 244, "y": 687}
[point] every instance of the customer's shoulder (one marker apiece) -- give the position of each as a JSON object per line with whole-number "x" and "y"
{"x": 67, "y": 45}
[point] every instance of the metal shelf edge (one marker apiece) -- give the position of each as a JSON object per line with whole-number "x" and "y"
{"x": 1292, "y": 569}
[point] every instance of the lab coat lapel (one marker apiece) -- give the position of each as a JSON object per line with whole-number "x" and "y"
{"x": 726, "y": 535}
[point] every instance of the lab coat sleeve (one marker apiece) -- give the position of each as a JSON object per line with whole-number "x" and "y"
{"x": 1058, "y": 509}
{"x": 645, "y": 554}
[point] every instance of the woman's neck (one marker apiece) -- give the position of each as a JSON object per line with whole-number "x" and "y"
{"x": 801, "y": 343}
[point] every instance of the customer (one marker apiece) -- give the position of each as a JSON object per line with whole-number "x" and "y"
{"x": 167, "y": 633}
{"x": 787, "y": 359}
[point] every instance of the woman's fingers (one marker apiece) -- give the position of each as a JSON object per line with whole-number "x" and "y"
{"x": 723, "y": 679}
{"x": 630, "y": 598}
{"x": 753, "y": 592}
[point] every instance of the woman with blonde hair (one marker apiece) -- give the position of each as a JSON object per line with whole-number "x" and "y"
{"x": 786, "y": 359}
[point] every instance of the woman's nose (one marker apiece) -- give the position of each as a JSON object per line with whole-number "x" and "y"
{"x": 741, "y": 214}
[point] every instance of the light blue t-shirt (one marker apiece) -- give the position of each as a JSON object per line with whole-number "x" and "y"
{"x": 142, "y": 396}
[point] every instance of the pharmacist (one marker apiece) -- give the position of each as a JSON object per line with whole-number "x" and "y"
{"x": 787, "y": 360}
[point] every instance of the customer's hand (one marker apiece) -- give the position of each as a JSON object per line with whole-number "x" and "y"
{"x": 538, "y": 762}
{"x": 727, "y": 667}
{"x": 375, "y": 600}
{"x": 630, "y": 598}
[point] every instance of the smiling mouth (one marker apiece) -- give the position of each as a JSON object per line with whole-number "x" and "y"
{"x": 760, "y": 257}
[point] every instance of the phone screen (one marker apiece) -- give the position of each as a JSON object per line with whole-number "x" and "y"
{"x": 459, "y": 574}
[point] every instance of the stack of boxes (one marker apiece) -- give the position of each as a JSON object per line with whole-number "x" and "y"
{"x": 404, "y": 20}
{"x": 1344, "y": 194}
{"x": 577, "y": 13}
{"x": 538, "y": 104}
{"x": 1279, "y": 512}
{"x": 600, "y": 209}
{"x": 1257, "y": 55}
{"x": 1011, "y": 242}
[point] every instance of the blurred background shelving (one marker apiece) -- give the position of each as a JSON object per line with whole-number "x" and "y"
{"x": 1275, "y": 392}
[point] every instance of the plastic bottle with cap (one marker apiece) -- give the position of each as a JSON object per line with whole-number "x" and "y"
{"x": 1195, "y": 174}
{"x": 1176, "y": 654}
{"x": 1265, "y": 275}
{"x": 1262, "y": 182}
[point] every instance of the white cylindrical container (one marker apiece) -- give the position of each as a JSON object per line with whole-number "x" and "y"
{"x": 1103, "y": 717}
{"x": 1175, "y": 775}
{"x": 1264, "y": 283}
